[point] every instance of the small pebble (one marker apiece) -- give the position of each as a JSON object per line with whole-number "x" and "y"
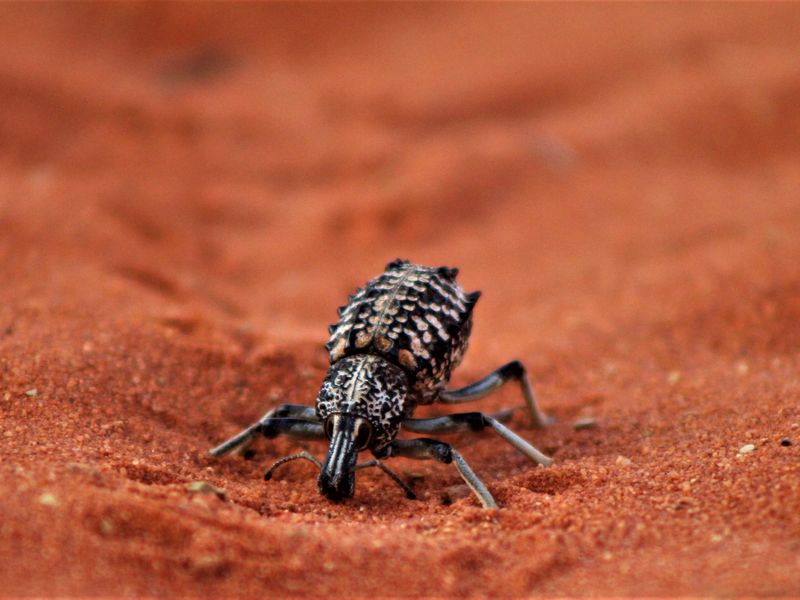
{"x": 207, "y": 564}
{"x": 585, "y": 423}
{"x": 454, "y": 492}
{"x": 747, "y": 448}
{"x": 742, "y": 368}
{"x": 107, "y": 526}
{"x": 623, "y": 460}
{"x": 48, "y": 499}
{"x": 32, "y": 393}
{"x": 203, "y": 487}
{"x": 786, "y": 442}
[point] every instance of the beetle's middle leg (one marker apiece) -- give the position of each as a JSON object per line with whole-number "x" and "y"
{"x": 476, "y": 421}
{"x": 513, "y": 371}
{"x": 296, "y": 420}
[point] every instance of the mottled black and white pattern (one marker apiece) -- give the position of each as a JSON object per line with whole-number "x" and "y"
{"x": 367, "y": 386}
{"x": 415, "y": 317}
{"x": 395, "y": 345}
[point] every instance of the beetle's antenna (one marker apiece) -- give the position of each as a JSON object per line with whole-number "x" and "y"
{"x": 304, "y": 455}
{"x": 376, "y": 463}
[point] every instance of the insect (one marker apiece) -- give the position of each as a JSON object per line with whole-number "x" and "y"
{"x": 394, "y": 347}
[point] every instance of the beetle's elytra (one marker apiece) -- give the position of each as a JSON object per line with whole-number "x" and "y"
{"x": 394, "y": 347}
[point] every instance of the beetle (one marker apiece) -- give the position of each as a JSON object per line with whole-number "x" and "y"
{"x": 394, "y": 348}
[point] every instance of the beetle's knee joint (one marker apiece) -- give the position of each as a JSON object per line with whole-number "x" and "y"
{"x": 515, "y": 369}
{"x": 474, "y": 420}
{"x": 442, "y": 452}
{"x": 281, "y": 410}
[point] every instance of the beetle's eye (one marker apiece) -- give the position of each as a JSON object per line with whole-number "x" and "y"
{"x": 329, "y": 427}
{"x": 363, "y": 434}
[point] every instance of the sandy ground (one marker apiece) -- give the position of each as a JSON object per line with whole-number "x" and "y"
{"x": 188, "y": 192}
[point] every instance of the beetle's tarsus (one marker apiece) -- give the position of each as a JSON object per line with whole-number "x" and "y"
{"x": 475, "y": 484}
{"x": 520, "y": 444}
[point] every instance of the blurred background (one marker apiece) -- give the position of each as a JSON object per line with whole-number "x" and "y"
{"x": 264, "y": 159}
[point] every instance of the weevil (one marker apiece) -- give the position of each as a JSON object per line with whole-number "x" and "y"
{"x": 393, "y": 349}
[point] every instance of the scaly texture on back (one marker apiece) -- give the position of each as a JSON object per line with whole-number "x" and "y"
{"x": 416, "y": 317}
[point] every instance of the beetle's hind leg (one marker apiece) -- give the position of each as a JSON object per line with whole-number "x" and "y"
{"x": 513, "y": 371}
{"x": 476, "y": 421}
{"x": 426, "y": 448}
{"x": 291, "y": 419}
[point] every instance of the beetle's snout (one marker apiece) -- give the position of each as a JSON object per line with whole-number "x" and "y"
{"x": 337, "y": 486}
{"x": 337, "y": 479}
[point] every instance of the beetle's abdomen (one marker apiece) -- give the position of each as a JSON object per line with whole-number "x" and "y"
{"x": 416, "y": 317}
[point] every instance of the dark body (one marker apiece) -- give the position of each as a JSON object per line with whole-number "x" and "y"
{"x": 394, "y": 347}
{"x": 397, "y": 341}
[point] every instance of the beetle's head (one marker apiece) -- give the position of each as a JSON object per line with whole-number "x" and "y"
{"x": 361, "y": 404}
{"x": 348, "y": 436}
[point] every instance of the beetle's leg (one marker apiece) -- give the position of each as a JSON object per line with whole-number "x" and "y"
{"x": 376, "y": 463}
{"x": 513, "y": 371}
{"x": 244, "y": 438}
{"x": 476, "y": 421}
{"x": 303, "y": 454}
{"x": 425, "y": 448}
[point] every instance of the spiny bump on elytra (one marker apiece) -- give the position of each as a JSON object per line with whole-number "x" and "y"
{"x": 415, "y": 317}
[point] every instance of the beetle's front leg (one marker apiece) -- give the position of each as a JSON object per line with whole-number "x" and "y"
{"x": 426, "y": 448}
{"x": 296, "y": 420}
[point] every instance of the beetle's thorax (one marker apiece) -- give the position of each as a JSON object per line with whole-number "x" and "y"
{"x": 366, "y": 386}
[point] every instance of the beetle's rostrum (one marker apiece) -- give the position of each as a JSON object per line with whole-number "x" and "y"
{"x": 394, "y": 348}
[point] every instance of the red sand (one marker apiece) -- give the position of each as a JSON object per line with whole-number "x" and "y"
{"x": 187, "y": 193}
